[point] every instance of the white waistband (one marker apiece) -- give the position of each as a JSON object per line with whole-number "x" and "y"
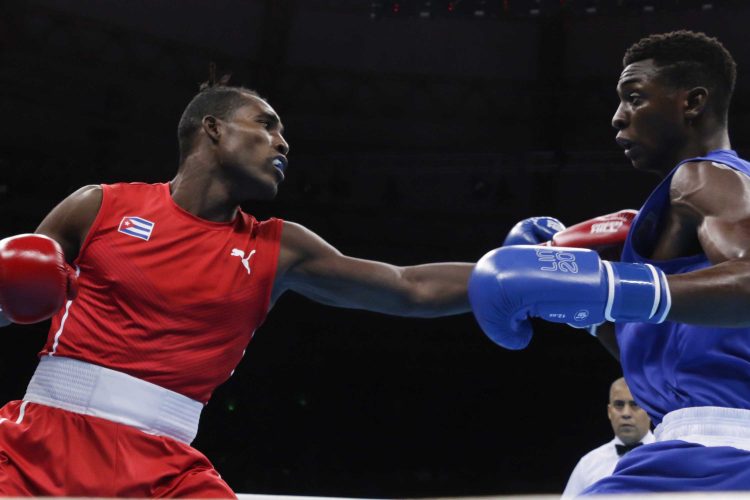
{"x": 707, "y": 425}
{"x": 89, "y": 389}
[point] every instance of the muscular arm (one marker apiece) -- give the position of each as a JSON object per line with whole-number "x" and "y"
{"x": 69, "y": 222}
{"x": 713, "y": 202}
{"x": 312, "y": 267}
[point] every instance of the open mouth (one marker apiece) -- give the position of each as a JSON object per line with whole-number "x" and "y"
{"x": 280, "y": 162}
{"x": 625, "y": 144}
{"x": 630, "y": 148}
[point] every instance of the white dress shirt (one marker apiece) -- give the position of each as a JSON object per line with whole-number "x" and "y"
{"x": 596, "y": 464}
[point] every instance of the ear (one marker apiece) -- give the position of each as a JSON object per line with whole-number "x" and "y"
{"x": 695, "y": 102}
{"x": 211, "y": 127}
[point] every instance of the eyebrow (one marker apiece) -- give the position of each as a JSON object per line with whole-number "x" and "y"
{"x": 629, "y": 80}
{"x": 271, "y": 117}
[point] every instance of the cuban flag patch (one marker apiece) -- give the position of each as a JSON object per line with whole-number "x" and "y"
{"x": 136, "y": 227}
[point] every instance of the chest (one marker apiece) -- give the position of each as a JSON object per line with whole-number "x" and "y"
{"x": 175, "y": 263}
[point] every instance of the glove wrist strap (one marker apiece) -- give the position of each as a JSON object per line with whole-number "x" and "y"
{"x": 636, "y": 292}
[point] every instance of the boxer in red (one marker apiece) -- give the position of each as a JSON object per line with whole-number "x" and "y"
{"x": 173, "y": 280}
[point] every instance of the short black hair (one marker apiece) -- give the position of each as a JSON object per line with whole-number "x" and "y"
{"x": 688, "y": 59}
{"x": 217, "y": 100}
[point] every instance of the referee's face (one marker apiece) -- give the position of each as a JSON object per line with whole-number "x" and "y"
{"x": 629, "y": 421}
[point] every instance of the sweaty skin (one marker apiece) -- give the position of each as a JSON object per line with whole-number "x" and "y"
{"x": 659, "y": 126}
{"x": 235, "y": 161}
{"x": 711, "y": 206}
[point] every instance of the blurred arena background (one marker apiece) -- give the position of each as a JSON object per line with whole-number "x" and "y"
{"x": 420, "y": 130}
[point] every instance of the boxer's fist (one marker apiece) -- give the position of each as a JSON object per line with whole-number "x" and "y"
{"x": 563, "y": 285}
{"x": 35, "y": 280}
{"x": 533, "y": 231}
{"x": 605, "y": 234}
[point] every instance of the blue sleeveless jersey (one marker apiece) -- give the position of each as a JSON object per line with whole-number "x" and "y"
{"x": 673, "y": 365}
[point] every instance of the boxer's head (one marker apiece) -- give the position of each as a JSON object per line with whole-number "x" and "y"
{"x": 238, "y": 132}
{"x": 674, "y": 91}
{"x": 629, "y": 421}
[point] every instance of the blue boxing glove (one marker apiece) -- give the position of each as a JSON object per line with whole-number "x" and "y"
{"x": 533, "y": 231}
{"x": 510, "y": 285}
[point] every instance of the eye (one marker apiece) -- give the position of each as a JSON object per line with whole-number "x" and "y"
{"x": 635, "y": 98}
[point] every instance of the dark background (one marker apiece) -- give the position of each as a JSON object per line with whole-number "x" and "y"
{"x": 420, "y": 131}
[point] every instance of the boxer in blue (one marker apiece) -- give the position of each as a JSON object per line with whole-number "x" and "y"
{"x": 680, "y": 295}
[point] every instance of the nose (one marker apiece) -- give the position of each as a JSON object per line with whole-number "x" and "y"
{"x": 619, "y": 120}
{"x": 627, "y": 412}
{"x": 281, "y": 145}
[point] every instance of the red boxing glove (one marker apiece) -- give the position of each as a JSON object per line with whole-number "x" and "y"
{"x": 35, "y": 280}
{"x": 606, "y": 234}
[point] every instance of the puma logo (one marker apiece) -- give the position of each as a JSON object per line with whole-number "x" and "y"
{"x": 236, "y": 252}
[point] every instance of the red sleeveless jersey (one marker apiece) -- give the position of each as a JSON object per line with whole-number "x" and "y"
{"x": 165, "y": 296}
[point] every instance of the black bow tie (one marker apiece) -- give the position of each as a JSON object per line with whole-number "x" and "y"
{"x": 624, "y": 448}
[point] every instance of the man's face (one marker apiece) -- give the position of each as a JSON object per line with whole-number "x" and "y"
{"x": 650, "y": 123}
{"x": 252, "y": 150}
{"x": 629, "y": 421}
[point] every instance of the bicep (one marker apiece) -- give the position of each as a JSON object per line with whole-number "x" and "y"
{"x": 69, "y": 222}
{"x": 314, "y": 268}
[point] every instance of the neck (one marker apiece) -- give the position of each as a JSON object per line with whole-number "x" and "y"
{"x": 198, "y": 190}
{"x": 718, "y": 139}
{"x": 700, "y": 143}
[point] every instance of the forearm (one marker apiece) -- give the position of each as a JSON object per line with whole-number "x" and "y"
{"x": 438, "y": 289}
{"x": 605, "y": 333}
{"x": 719, "y": 295}
{"x": 424, "y": 291}
{"x": 310, "y": 266}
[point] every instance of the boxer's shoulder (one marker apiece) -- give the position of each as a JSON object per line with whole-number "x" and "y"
{"x": 704, "y": 186}
{"x": 69, "y": 222}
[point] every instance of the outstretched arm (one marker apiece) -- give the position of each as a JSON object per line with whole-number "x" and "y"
{"x": 312, "y": 267}
{"x": 713, "y": 202}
